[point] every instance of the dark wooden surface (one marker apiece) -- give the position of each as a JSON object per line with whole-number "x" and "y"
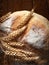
{"x": 41, "y": 6}
{"x": 14, "y": 5}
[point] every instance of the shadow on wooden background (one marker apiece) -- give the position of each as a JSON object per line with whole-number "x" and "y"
{"x": 42, "y": 6}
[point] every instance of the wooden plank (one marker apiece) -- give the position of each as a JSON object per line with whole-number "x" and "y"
{"x": 3, "y": 6}
{"x": 41, "y": 7}
{"x": 14, "y": 5}
{"x": 27, "y": 4}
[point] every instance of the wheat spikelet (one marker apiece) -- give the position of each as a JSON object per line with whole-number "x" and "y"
{"x": 21, "y": 56}
{"x": 18, "y": 53}
{"x": 3, "y": 18}
{"x": 15, "y": 44}
{"x": 8, "y": 47}
{"x": 14, "y": 34}
{"x": 23, "y": 20}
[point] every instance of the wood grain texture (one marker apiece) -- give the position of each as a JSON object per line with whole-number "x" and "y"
{"x": 42, "y": 6}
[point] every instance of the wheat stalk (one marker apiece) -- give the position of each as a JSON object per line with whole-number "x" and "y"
{"x": 14, "y": 34}
{"x": 24, "y": 20}
{"x": 4, "y": 17}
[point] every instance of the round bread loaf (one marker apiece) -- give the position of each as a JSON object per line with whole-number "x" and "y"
{"x": 30, "y": 46}
{"x": 37, "y": 33}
